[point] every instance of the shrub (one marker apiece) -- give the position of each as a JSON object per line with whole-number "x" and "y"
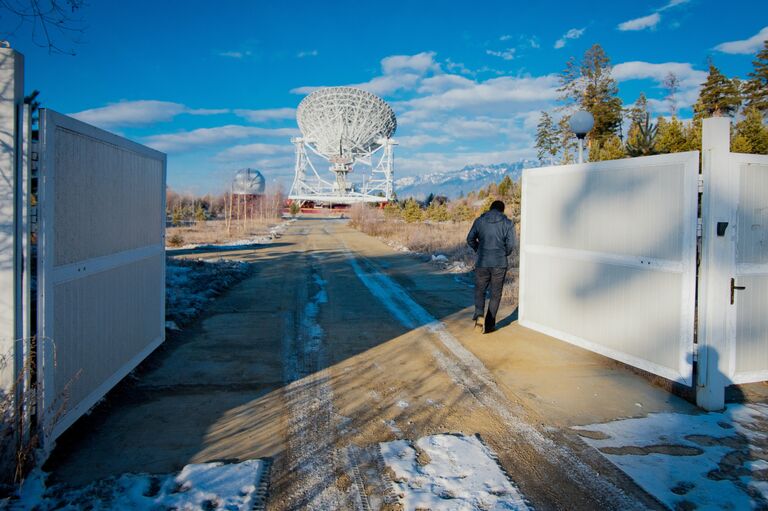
{"x": 176, "y": 240}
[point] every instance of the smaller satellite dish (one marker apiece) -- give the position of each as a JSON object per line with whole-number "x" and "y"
{"x": 248, "y": 182}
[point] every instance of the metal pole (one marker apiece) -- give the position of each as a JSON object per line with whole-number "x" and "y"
{"x": 581, "y": 150}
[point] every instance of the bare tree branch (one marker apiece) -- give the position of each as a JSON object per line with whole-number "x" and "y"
{"x": 49, "y": 21}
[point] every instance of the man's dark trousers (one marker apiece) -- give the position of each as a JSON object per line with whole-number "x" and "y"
{"x": 484, "y": 277}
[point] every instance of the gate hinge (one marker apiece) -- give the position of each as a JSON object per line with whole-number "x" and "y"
{"x": 701, "y": 183}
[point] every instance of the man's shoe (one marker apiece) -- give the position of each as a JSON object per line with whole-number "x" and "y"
{"x": 480, "y": 324}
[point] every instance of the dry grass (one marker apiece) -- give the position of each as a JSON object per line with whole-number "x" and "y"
{"x": 215, "y": 231}
{"x": 431, "y": 238}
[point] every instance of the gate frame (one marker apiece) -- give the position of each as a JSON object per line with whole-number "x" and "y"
{"x": 49, "y": 424}
{"x": 684, "y": 372}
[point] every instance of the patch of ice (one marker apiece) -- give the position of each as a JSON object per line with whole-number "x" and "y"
{"x": 439, "y": 258}
{"x": 198, "y": 486}
{"x": 453, "y": 473}
{"x": 686, "y": 459}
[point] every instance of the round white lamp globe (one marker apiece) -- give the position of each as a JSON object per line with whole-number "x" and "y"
{"x": 581, "y": 122}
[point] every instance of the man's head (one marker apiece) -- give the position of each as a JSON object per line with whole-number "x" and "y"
{"x": 498, "y": 206}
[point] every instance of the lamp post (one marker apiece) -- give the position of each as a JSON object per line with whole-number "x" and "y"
{"x": 580, "y": 123}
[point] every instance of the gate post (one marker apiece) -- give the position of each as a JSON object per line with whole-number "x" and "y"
{"x": 11, "y": 105}
{"x": 11, "y": 182}
{"x": 717, "y": 259}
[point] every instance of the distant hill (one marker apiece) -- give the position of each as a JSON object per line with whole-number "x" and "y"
{"x": 455, "y": 182}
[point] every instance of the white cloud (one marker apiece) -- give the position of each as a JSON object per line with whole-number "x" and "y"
{"x": 419, "y": 140}
{"x": 507, "y": 54}
{"x": 638, "y": 70}
{"x": 387, "y": 84}
{"x": 398, "y": 72}
{"x": 690, "y": 80}
{"x": 745, "y": 46}
{"x": 642, "y": 23}
{"x": 138, "y": 113}
{"x": 309, "y": 53}
{"x": 420, "y": 63}
{"x": 235, "y": 54}
{"x": 443, "y": 82}
{"x": 458, "y": 67}
{"x": 269, "y": 114}
{"x": 505, "y": 37}
{"x": 494, "y": 95}
{"x": 175, "y": 142}
{"x": 672, "y": 3}
{"x": 573, "y": 33}
{"x": 248, "y": 151}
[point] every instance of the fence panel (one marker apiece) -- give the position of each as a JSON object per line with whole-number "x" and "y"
{"x": 747, "y": 323}
{"x": 101, "y": 301}
{"x": 608, "y": 258}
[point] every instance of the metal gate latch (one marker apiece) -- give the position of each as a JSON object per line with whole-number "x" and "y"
{"x": 735, "y": 288}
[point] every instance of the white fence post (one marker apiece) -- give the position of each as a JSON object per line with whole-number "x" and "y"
{"x": 11, "y": 105}
{"x": 717, "y": 260}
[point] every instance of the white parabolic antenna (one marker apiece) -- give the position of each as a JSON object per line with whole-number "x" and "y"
{"x": 347, "y": 127}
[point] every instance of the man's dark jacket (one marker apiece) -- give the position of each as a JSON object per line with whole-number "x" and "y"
{"x": 493, "y": 238}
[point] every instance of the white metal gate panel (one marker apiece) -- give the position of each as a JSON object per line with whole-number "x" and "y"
{"x": 608, "y": 258}
{"x": 747, "y": 320}
{"x": 101, "y": 293}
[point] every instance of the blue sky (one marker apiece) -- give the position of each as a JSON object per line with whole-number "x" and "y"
{"x": 215, "y": 84}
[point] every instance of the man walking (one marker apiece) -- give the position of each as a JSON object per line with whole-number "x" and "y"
{"x": 493, "y": 238}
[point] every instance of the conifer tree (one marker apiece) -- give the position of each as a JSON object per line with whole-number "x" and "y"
{"x": 609, "y": 148}
{"x": 750, "y": 135}
{"x": 506, "y": 186}
{"x": 566, "y": 142}
{"x": 600, "y": 94}
{"x": 642, "y": 142}
{"x": 756, "y": 88}
{"x": 670, "y": 136}
{"x": 719, "y": 96}
{"x": 412, "y": 212}
{"x": 546, "y": 138}
{"x": 461, "y": 213}
{"x": 638, "y": 112}
{"x": 591, "y": 86}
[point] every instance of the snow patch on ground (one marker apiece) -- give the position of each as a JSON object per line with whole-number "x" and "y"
{"x": 197, "y": 486}
{"x": 449, "y": 472}
{"x": 274, "y": 233}
{"x": 191, "y": 284}
{"x": 705, "y": 461}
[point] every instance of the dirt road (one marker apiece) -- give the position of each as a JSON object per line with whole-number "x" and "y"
{"x": 337, "y": 343}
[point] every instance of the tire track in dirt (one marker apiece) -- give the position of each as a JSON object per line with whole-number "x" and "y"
{"x": 313, "y": 465}
{"x": 468, "y": 372}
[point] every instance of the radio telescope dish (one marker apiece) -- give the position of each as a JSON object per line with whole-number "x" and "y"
{"x": 345, "y": 126}
{"x": 344, "y": 121}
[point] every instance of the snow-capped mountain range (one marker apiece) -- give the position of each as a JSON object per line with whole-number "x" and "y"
{"x": 453, "y": 183}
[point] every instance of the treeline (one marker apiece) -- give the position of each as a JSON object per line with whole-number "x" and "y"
{"x": 185, "y": 208}
{"x": 466, "y": 208}
{"x": 589, "y": 85}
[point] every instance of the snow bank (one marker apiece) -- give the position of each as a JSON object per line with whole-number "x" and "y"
{"x": 198, "y": 486}
{"x": 705, "y": 461}
{"x": 191, "y": 284}
{"x": 449, "y": 472}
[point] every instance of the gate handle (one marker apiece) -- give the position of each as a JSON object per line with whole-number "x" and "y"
{"x": 735, "y": 288}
